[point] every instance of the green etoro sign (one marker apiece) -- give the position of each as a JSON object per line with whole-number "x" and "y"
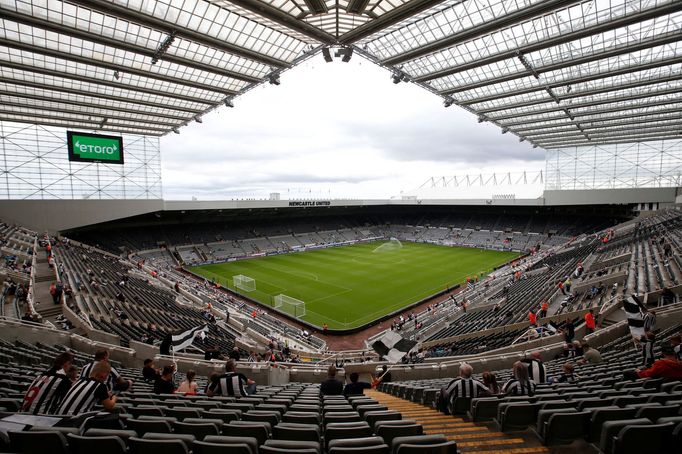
{"x": 85, "y": 147}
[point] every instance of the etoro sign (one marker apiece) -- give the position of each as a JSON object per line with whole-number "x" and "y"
{"x": 86, "y": 147}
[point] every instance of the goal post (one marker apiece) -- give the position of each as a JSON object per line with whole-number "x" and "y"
{"x": 244, "y": 283}
{"x": 290, "y": 305}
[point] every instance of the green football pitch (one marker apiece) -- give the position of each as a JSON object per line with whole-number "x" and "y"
{"x": 351, "y": 286}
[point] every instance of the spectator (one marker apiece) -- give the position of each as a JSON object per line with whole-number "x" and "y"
{"x": 532, "y": 318}
{"x": 521, "y": 384}
{"x": 72, "y": 373}
{"x": 544, "y": 307}
{"x": 355, "y": 387}
{"x": 648, "y": 341}
{"x": 115, "y": 382}
{"x": 212, "y": 353}
{"x": 650, "y": 321}
{"x": 164, "y": 382}
{"x": 253, "y": 357}
{"x": 464, "y": 387}
{"x": 569, "y": 331}
{"x": 49, "y": 388}
{"x": 590, "y": 323}
{"x": 212, "y": 378}
{"x": 666, "y": 367}
{"x": 490, "y": 382}
{"x": 536, "y": 369}
{"x": 87, "y": 392}
{"x": 590, "y": 355}
{"x": 234, "y": 354}
{"x": 189, "y": 386}
{"x": 149, "y": 372}
{"x": 331, "y": 386}
{"x": 231, "y": 383}
{"x": 385, "y": 376}
{"x": 567, "y": 375}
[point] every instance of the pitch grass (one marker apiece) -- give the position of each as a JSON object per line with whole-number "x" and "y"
{"x": 351, "y": 286}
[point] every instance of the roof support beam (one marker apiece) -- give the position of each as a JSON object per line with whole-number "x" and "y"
{"x": 105, "y": 41}
{"x": 151, "y": 115}
{"x": 106, "y": 83}
{"x": 578, "y": 94}
{"x": 580, "y": 105}
{"x": 129, "y": 130}
{"x": 608, "y": 141}
{"x": 557, "y": 40}
{"x": 112, "y": 67}
{"x": 611, "y": 52}
{"x": 95, "y": 124}
{"x": 276, "y": 15}
{"x": 617, "y": 134}
{"x": 112, "y": 9}
{"x": 527, "y": 121}
{"x": 64, "y": 108}
{"x": 577, "y": 80}
{"x": 571, "y": 123}
{"x": 596, "y": 131}
{"x": 402, "y": 12}
{"x": 483, "y": 29}
{"x": 104, "y": 97}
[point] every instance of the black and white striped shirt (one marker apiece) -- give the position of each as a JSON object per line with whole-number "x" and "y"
{"x": 536, "y": 370}
{"x": 648, "y": 356}
{"x": 678, "y": 351}
{"x": 229, "y": 384}
{"x": 111, "y": 380}
{"x": 517, "y": 388}
{"x": 466, "y": 387}
{"x": 83, "y": 395}
{"x": 46, "y": 392}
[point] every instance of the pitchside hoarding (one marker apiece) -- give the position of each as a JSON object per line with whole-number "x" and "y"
{"x": 86, "y": 147}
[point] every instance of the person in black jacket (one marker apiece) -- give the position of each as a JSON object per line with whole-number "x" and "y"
{"x": 331, "y": 386}
{"x": 164, "y": 383}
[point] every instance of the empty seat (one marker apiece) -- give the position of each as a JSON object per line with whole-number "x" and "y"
{"x": 199, "y": 430}
{"x": 517, "y": 415}
{"x": 151, "y": 446}
{"x": 100, "y": 445}
{"x": 419, "y": 440}
{"x": 346, "y": 416}
{"x": 642, "y": 439}
{"x": 388, "y": 415}
{"x": 142, "y": 426}
{"x": 564, "y": 427}
{"x": 346, "y": 430}
{"x": 38, "y": 441}
{"x": 251, "y": 442}
{"x": 601, "y": 415}
{"x": 660, "y": 411}
{"x": 258, "y": 430}
{"x": 224, "y": 415}
{"x": 271, "y": 417}
{"x": 302, "y": 417}
{"x": 484, "y": 408}
{"x": 289, "y": 446}
{"x": 205, "y": 447}
{"x": 446, "y": 447}
{"x": 368, "y": 445}
{"x": 182, "y": 412}
{"x": 460, "y": 405}
{"x": 146, "y": 410}
{"x": 611, "y": 428}
{"x": 295, "y": 431}
{"x": 122, "y": 434}
{"x": 389, "y": 431}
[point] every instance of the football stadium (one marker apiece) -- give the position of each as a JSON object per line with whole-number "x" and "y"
{"x": 222, "y": 229}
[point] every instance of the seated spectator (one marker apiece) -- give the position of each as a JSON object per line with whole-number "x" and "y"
{"x": 212, "y": 378}
{"x": 115, "y": 382}
{"x": 666, "y": 367}
{"x": 521, "y": 384}
{"x": 189, "y": 386}
{"x": 355, "y": 387}
{"x": 536, "y": 369}
{"x": 464, "y": 386}
{"x": 164, "y": 383}
{"x": 48, "y": 389}
{"x": 567, "y": 375}
{"x": 490, "y": 382}
{"x": 231, "y": 383}
{"x": 331, "y": 386}
{"x": 72, "y": 373}
{"x": 234, "y": 354}
{"x": 590, "y": 355}
{"x": 87, "y": 392}
{"x": 149, "y": 372}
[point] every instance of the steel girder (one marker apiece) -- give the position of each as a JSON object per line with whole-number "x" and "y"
{"x": 109, "y": 8}
{"x": 95, "y": 124}
{"x": 674, "y": 125}
{"x": 545, "y": 44}
{"x": 635, "y": 136}
{"x": 571, "y": 125}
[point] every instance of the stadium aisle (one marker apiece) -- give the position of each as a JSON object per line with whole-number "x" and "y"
{"x": 471, "y": 437}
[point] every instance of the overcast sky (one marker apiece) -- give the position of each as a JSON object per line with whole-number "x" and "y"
{"x": 333, "y": 130}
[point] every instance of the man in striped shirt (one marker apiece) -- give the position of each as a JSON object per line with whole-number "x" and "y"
{"x": 114, "y": 382}
{"x": 464, "y": 386}
{"x": 231, "y": 383}
{"x": 48, "y": 389}
{"x": 536, "y": 369}
{"x": 521, "y": 384}
{"x": 87, "y": 392}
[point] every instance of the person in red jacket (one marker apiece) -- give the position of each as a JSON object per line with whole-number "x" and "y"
{"x": 666, "y": 367}
{"x": 532, "y": 318}
{"x": 590, "y": 323}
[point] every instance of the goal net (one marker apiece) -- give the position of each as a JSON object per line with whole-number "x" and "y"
{"x": 391, "y": 245}
{"x": 290, "y": 305}
{"x": 245, "y": 283}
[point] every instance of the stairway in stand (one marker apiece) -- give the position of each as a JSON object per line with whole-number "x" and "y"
{"x": 480, "y": 438}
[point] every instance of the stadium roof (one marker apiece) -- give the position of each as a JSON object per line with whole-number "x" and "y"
{"x": 554, "y": 72}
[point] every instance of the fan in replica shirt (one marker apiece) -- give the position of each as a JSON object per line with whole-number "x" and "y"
{"x": 231, "y": 383}
{"x": 114, "y": 382}
{"x": 46, "y": 392}
{"x": 87, "y": 392}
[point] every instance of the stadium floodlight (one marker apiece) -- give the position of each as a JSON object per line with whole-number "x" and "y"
{"x": 198, "y": 119}
{"x": 228, "y": 102}
{"x": 396, "y": 77}
{"x": 346, "y": 53}
{"x": 448, "y": 101}
{"x": 327, "y": 55}
{"x": 289, "y": 305}
{"x": 176, "y": 130}
{"x": 116, "y": 75}
{"x": 505, "y": 130}
{"x": 244, "y": 283}
{"x": 273, "y": 79}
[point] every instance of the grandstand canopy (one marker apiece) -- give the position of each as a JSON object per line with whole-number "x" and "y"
{"x": 557, "y": 73}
